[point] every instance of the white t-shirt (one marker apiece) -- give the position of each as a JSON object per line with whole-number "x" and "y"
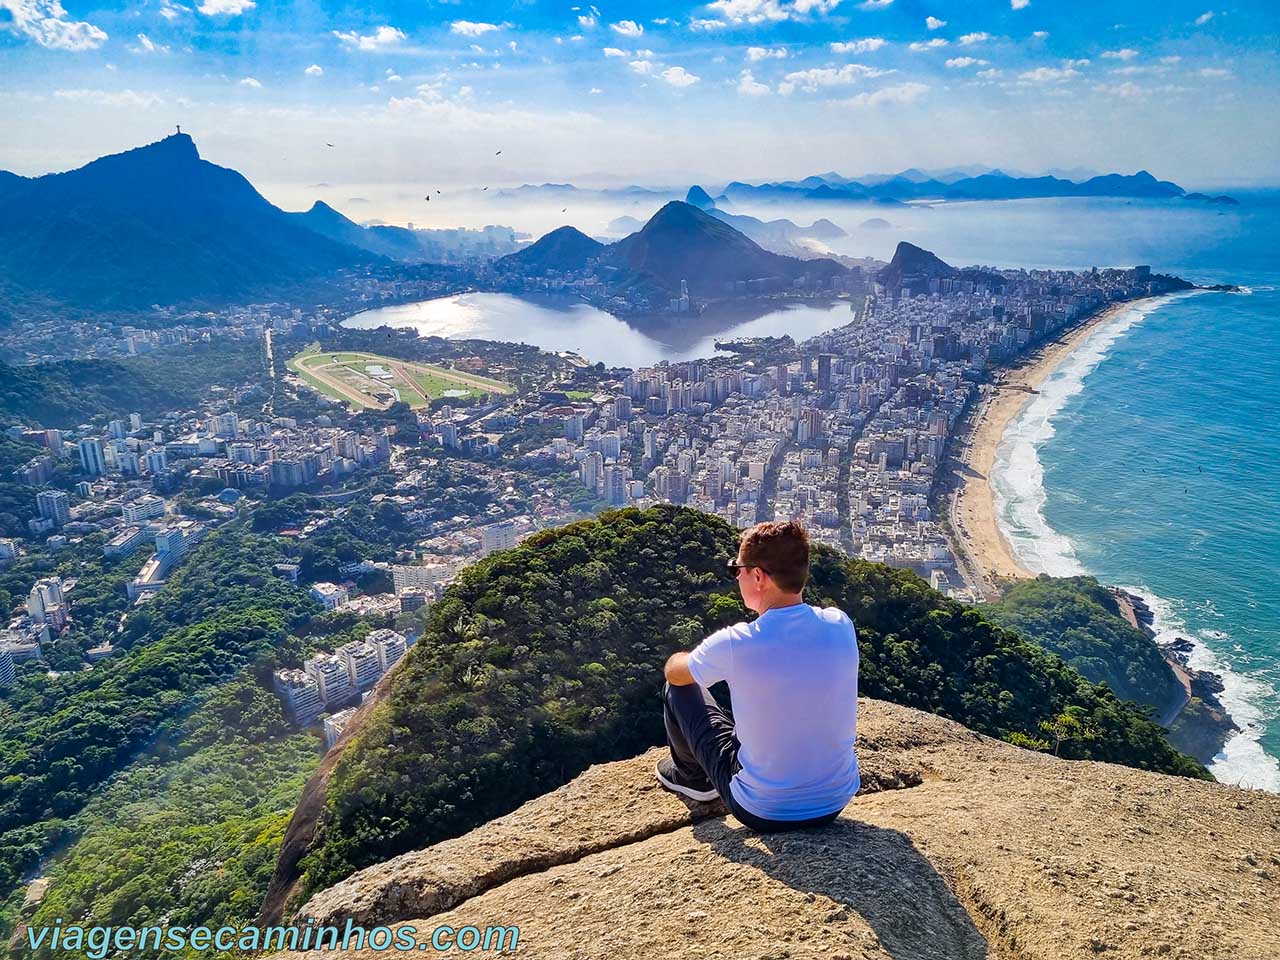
{"x": 793, "y": 676}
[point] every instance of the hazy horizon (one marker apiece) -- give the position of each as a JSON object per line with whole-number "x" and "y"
{"x": 660, "y": 93}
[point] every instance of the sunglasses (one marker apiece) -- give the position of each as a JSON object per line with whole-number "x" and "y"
{"x": 733, "y": 564}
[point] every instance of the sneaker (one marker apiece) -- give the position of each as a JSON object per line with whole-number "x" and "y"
{"x": 670, "y": 778}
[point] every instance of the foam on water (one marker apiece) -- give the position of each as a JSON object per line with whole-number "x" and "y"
{"x": 1242, "y": 760}
{"x": 1017, "y": 475}
{"x": 1017, "y": 482}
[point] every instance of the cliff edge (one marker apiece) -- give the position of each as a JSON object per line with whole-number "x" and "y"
{"x": 958, "y": 846}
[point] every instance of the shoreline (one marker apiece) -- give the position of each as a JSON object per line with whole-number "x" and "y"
{"x": 980, "y": 545}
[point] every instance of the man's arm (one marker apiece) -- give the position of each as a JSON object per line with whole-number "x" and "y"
{"x": 677, "y": 670}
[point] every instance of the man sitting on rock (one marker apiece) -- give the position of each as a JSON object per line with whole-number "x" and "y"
{"x": 784, "y": 759}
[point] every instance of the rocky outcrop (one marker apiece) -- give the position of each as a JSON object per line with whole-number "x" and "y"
{"x": 959, "y": 846}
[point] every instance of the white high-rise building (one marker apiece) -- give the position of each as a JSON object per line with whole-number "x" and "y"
{"x": 361, "y": 661}
{"x": 55, "y": 505}
{"x": 389, "y": 645}
{"x": 497, "y": 536}
{"x": 157, "y": 460}
{"x": 93, "y": 458}
{"x": 225, "y": 425}
{"x": 301, "y": 695}
{"x": 331, "y": 595}
{"x": 145, "y": 508}
{"x": 330, "y": 675}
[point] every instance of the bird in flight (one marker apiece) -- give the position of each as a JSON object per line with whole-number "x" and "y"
{"x": 486, "y": 188}
{"x": 498, "y": 153}
{"x": 563, "y": 209}
{"x": 427, "y": 198}
{"x": 328, "y": 144}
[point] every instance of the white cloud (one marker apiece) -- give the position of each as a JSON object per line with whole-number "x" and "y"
{"x": 867, "y": 45}
{"x": 959, "y": 63}
{"x": 250, "y": 82}
{"x": 1204, "y": 18}
{"x": 933, "y": 23}
{"x": 1170, "y": 61}
{"x": 901, "y": 93}
{"x": 766, "y": 11}
{"x": 933, "y": 44}
{"x": 874, "y": 4}
{"x": 1044, "y": 75}
{"x": 1019, "y": 4}
{"x": 172, "y": 11}
{"x": 1214, "y": 73}
{"x": 110, "y": 98}
{"x": 755, "y": 54}
{"x": 749, "y": 11}
{"x": 595, "y": 90}
{"x": 662, "y": 21}
{"x": 644, "y": 67}
{"x": 748, "y": 86}
{"x": 627, "y": 28}
{"x": 702, "y": 24}
{"x": 811, "y": 80}
{"x": 45, "y": 22}
{"x": 469, "y": 28}
{"x": 147, "y": 45}
{"x": 315, "y": 70}
{"x": 679, "y": 77}
{"x": 968, "y": 38}
{"x": 381, "y": 38}
{"x": 989, "y": 74}
{"x": 615, "y": 52}
{"x": 1127, "y": 90}
{"x": 1125, "y": 54}
{"x": 586, "y": 22}
{"x": 1040, "y": 34}
{"x": 229, "y": 8}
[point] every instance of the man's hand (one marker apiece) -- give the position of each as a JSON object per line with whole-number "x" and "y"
{"x": 677, "y": 670}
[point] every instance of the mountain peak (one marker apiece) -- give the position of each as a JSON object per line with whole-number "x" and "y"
{"x": 907, "y": 870}
{"x": 699, "y": 198}
{"x": 563, "y": 249}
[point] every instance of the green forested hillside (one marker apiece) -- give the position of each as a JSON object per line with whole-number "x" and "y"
{"x": 1078, "y": 619}
{"x": 70, "y": 392}
{"x": 544, "y": 659}
{"x": 192, "y": 839}
{"x": 61, "y": 738}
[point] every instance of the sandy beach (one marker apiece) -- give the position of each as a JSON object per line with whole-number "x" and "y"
{"x": 982, "y": 549}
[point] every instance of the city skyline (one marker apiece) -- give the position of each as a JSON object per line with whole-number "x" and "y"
{"x": 666, "y": 93}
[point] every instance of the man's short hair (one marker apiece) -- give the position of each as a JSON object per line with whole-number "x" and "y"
{"x": 781, "y": 549}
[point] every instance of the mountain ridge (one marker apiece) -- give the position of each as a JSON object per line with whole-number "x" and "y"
{"x": 155, "y": 224}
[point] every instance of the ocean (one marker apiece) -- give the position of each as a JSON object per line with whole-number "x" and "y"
{"x": 1151, "y": 459}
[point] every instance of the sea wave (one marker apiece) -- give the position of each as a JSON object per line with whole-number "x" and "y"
{"x": 1017, "y": 475}
{"x": 1242, "y": 761}
{"x": 1017, "y": 483}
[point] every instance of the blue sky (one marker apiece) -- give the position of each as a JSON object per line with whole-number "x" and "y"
{"x": 653, "y": 92}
